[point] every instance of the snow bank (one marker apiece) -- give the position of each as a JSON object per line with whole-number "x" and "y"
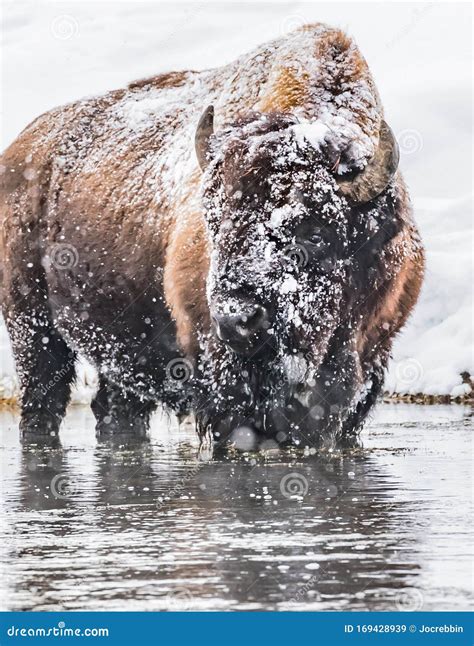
{"x": 58, "y": 51}
{"x": 436, "y": 347}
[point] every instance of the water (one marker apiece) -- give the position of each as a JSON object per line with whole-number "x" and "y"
{"x": 158, "y": 526}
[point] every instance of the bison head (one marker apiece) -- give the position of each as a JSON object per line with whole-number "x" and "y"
{"x": 282, "y": 229}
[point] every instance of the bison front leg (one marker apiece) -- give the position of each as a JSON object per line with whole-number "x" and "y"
{"x": 45, "y": 367}
{"x": 320, "y": 411}
{"x": 360, "y": 411}
{"x": 117, "y": 411}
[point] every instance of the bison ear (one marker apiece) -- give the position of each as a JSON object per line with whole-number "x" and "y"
{"x": 374, "y": 178}
{"x": 204, "y": 130}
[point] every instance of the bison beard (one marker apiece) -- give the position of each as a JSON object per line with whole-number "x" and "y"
{"x": 261, "y": 399}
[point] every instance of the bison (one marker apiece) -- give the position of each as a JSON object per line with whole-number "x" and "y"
{"x": 236, "y": 243}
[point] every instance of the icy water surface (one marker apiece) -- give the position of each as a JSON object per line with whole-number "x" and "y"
{"x": 155, "y": 526}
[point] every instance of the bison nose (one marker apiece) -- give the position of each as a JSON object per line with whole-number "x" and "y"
{"x": 244, "y": 330}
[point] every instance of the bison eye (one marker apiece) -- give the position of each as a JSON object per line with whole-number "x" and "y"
{"x": 316, "y": 238}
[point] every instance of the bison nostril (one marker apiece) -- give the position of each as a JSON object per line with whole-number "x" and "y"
{"x": 241, "y": 327}
{"x": 251, "y": 320}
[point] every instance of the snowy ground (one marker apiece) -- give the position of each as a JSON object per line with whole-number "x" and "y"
{"x": 54, "y": 52}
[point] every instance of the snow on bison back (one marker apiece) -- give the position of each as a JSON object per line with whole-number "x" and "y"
{"x": 237, "y": 243}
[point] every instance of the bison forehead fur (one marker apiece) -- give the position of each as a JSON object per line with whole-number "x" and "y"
{"x": 257, "y": 284}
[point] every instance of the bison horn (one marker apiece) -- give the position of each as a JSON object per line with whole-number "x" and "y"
{"x": 373, "y": 179}
{"x": 204, "y": 130}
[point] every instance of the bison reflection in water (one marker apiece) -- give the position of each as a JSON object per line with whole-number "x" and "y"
{"x": 256, "y": 281}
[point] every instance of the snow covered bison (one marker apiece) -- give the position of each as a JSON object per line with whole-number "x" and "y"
{"x": 236, "y": 243}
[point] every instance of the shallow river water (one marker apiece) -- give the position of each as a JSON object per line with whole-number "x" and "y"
{"x": 158, "y": 525}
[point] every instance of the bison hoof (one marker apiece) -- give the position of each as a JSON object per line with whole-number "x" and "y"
{"x": 109, "y": 426}
{"x": 38, "y": 428}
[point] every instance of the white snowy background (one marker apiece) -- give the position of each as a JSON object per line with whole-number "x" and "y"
{"x": 419, "y": 54}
